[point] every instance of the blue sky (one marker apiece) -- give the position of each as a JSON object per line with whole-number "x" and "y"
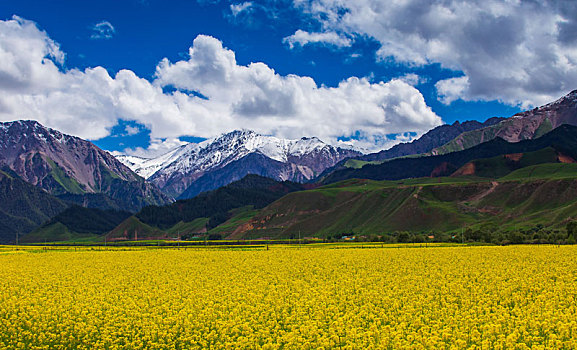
{"x": 477, "y": 72}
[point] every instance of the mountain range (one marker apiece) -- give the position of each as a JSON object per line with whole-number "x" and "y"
{"x": 456, "y": 190}
{"x": 434, "y": 138}
{"x": 44, "y": 171}
{"x": 562, "y": 141}
{"x": 194, "y": 168}
{"x": 63, "y": 187}
{"x": 522, "y": 126}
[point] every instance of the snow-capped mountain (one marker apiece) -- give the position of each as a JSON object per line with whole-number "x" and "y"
{"x": 72, "y": 168}
{"x": 194, "y": 168}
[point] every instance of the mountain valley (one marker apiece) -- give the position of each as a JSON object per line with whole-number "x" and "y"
{"x": 499, "y": 176}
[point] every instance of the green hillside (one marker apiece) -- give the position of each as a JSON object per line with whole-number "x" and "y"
{"x": 134, "y": 229}
{"x": 205, "y": 213}
{"x": 187, "y": 229}
{"x": 544, "y": 171}
{"x": 543, "y": 196}
{"x": 57, "y": 232}
{"x": 77, "y": 223}
{"x": 502, "y": 165}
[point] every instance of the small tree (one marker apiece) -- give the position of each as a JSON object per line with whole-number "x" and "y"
{"x": 404, "y": 237}
{"x": 572, "y": 229}
{"x": 571, "y": 232}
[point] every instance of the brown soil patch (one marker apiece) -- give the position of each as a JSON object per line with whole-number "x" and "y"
{"x": 514, "y": 156}
{"x": 467, "y": 169}
{"x": 440, "y": 170}
{"x": 565, "y": 159}
{"x": 239, "y": 231}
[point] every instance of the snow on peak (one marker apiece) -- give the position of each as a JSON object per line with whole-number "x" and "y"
{"x": 569, "y": 98}
{"x": 222, "y": 150}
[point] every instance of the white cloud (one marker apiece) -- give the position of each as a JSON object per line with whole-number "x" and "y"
{"x": 236, "y": 9}
{"x": 156, "y": 148}
{"x": 520, "y": 52}
{"x": 27, "y": 57}
{"x": 292, "y": 106}
{"x": 132, "y": 130}
{"x": 302, "y": 38}
{"x": 452, "y": 89}
{"x": 413, "y": 79}
{"x": 89, "y": 103}
{"x": 83, "y": 103}
{"x": 103, "y": 30}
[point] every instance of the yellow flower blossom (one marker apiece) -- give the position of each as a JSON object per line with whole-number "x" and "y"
{"x": 518, "y": 297}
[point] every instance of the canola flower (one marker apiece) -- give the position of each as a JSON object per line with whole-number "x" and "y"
{"x": 518, "y": 297}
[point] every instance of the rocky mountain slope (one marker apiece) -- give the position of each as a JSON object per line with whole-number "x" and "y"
{"x": 70, "y": 167}
{"x": 522, "y": 126}
{"x": 433, "y": 139}
{"x": 195, "y": 168}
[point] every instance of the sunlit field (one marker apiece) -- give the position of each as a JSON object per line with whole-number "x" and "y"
{"x": 313, "y": 297}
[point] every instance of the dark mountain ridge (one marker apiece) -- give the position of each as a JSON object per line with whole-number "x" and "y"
{"x": 563, "y": 139}
{"x": 254, "y": 190}
{"x": 431, "y": 140}
{"x": 23, "y": 206}
{"x": 183, "y": 217}
{"x": 77, "y": 222}
{"x": 428, "y": 142}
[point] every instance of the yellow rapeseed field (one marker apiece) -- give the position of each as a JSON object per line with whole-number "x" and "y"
{"x": 516, "y": 297}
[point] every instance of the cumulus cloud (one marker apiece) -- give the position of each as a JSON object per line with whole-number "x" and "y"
{"x": 302, "y": 38}
{"x": 293, "y": 106}
{"x": 103, "y": 30}
{"x": 452, "y": 89}
{"x": 519, "y": 52}
{"x": 85, "y": 103}
{"x": 90, "y": 103}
